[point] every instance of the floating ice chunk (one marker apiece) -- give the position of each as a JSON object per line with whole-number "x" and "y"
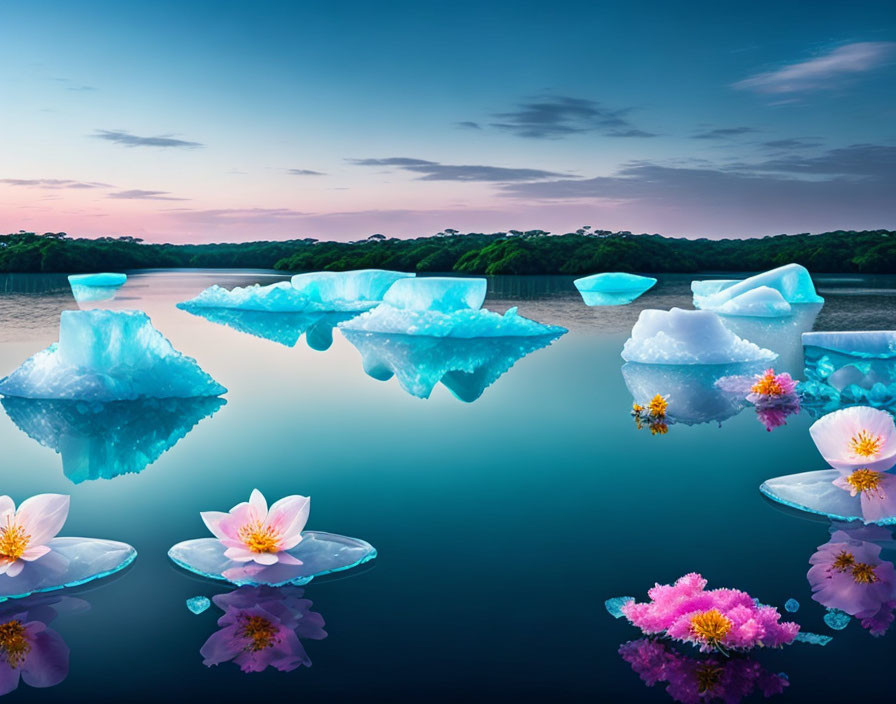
{"x": 198, "y": 604}
{"x": 96, "y": 287}
{"x": 105, "y": 279}
{"x": 761, "y": 302}
{"x": 465, "y": 366}
{"x": 792, "y": 281}
{"x": 320, "y": 554}
{"x": 814, "y": 492}
{"x": 688, "y": 337}
{"x": 70, "y": 563}
{"x": 613, "y": 288}
{"x": 614, "y": 605}
{"x": 346, "y": 290}
{"x": 282, "y": 328}
{"x": 437, "y": 293}
{"x": 104, "y": 440}
{"x": 792, "y": 606}
{"x": 836, "y": 619}
{"x": 866, "y": 344}
{"x": 109, "y": 356}
{"x": 691, "y": 391}
{"x": 812, "y": 638}
{"x": 280, "y": 297}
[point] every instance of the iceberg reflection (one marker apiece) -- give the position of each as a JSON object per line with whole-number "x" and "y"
{"x": 465, "y": 366}
{"x": 104, "y": 440}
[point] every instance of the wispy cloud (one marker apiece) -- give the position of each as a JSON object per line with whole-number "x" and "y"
{"x": 69, "y": 84}
{"x": 561, "y": 116}
{"x": 304, "y": 172}
{"x": 137, "y": 194}
{"x": 435, "y": 171}
{"x": 791, "y": 143}
{"x": 821, "y": 72}
{"x": 469, "y": 125}
{"x": 132, "y": 140}
{"x": 724, "y": 133}
{"x": 53, "y": 183}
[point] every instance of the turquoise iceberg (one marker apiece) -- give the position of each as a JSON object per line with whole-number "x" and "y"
{"x": 613, "y": 288}
{"x": 321, "y": 553}
{"x": 109, "y": 356}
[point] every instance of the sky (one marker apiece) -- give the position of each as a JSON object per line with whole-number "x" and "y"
{"x": 230, "y": 121}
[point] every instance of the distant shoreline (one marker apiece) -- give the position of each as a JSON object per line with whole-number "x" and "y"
{"x": 533, "y": 252}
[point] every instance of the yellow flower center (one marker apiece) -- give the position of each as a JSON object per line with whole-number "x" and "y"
{"x": 844, "y": 561}
{"x": 259, "y": 538}
{"x": 863, "y": 573}
{"x": 657, "y": 406}
{"x": 658, "y": 428}
{"x": 767, "y": 385}
{"x": 864, "y": 480}
{"x": 259, "y": 631}
{"x": 708, "y": 675}
{"x": 710, "y": 626}
{"x": 13, "y": 541}
{"x": 864, "y": 444}
{"x": 13, "y": 644}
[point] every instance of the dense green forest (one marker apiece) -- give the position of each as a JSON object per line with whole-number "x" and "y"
{"x": 514, "y": 252}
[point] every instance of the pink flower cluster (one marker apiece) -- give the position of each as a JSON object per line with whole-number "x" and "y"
{"x": 698, "y": 680}
{"x": 719, "y": 619}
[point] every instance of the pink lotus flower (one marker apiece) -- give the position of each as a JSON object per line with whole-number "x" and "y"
{"x": 263, "y": 627}
{"x": 698, "y": 680}
{"x": 770, "y": 386}
{"x": 252, "y": 533}
{"x": 720, "y": 619}
{"x": 24, "y": 533}
{"x": 876, "y": 491}
{"x": 857, "y": 437}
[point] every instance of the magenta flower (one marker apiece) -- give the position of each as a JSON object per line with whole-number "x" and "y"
{"x": 24, "y": 533}
{"x": 263, "y": 627}
{"x": 848, "y": 574}
{"x": 856, "y": 438}
{"x": 252, "y": 533}
{"x": 876, "y": 491}
{"x": 719, "y": 619}
{"x": 769, "y": 387}
{"x": 699, "y": 680}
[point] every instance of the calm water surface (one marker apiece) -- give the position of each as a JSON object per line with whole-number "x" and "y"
{"x": 502, "y": 525}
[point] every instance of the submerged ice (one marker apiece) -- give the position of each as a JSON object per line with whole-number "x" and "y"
{"x": 87, "y": 288}
{"x": 612, "y": 288}
{"x": 790, "y": 283}
{"x": 688, "y": 337}
{"x": 846, "y": 368}
{"x": 109, "y": 356}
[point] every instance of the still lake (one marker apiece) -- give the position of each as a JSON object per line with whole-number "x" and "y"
{"x": 502, "y": 524}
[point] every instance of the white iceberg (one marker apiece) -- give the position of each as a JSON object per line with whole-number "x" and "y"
{"x": 613, "y": 288}
{"x": 346, "y": 290}
{"x": 688, "y": 337}
{"x": 107, "y": 355}
{"x": 761, "y": 302}
{"x": 88, "y": 288}
{"x": 791, "y": 281}
{"x": 444, "y": 307}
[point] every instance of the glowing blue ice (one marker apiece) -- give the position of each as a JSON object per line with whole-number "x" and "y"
{"x": 614, "y": 605}
{"x": 812, "y": 638}
{"x": 836, "y": 619}
{"x": 96, "y": 287}
{"x": 320, "y": 553}
{"x": 198, "y": 604}
{"x": 109, "y": 356}
{"x": 465, "y": 366}
{"x": 70, "y": 563}
{"x": 688, "y": 337}
{"x": 347, "y": 290}
{"x": 792, "y": 282}
{"x": 612, "y": 288}
{"x": 792, "y": 606}
{"x": 104, "y": 440}
{"x": 104, "y": 279}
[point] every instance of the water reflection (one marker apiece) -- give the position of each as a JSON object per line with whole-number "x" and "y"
{"x": 263, "y": 627}
{"x": 31, "y": 651}
{"x": 282, "y": 328}
{"x": 703, "y": 678}
{"x": 465, "y": 366}
{"x": 104, "y": 440}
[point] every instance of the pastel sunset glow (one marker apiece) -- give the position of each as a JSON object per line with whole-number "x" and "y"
{"x": 222, "y": 121}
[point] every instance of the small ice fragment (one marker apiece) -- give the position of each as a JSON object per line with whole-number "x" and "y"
{"x": 688, "y": 337}
{"x": 836, "y": 619}
{"x": 612, "y": 288}
{"x": 614, "y": 605}
{"x": 198, "y": 604}
{"x": 812, "y": 638}
{"x": 792, "y": 605}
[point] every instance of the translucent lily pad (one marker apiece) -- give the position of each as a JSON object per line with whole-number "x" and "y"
{"x": 320, "y": 553}
{"x": 70, "y": 563}
{"x": 815, "y": 492}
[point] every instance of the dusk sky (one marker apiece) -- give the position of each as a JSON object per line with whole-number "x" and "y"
{"x": 201, "y": 122}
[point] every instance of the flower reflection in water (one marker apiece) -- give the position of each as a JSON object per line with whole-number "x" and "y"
{"x": 263, "y": 627}
{"x": 692, "y": 680}
{"x": 29, "y": 649}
